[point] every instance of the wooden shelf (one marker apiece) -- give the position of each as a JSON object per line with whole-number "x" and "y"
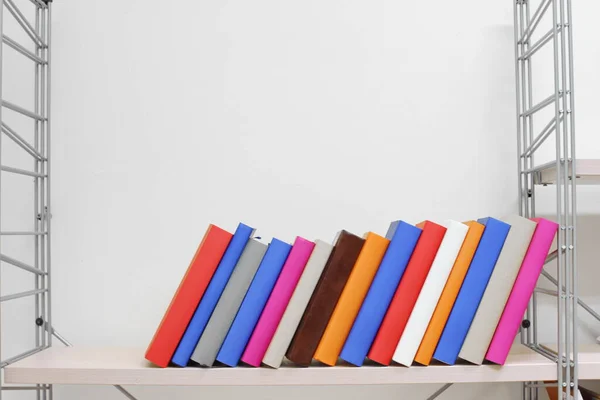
{"x": 113, "y": 366}
{"x": 588, "y": 173}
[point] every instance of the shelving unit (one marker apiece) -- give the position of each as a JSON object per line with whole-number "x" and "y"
{"x": 531, "y": 362}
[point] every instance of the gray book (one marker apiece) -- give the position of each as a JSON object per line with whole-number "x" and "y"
{"x": 222, "y": 317}
{"x": 498, "y": 289}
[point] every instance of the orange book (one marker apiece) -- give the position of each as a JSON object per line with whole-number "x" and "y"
{"x": 188, "y": 295}
{"x": 446, "y": 301}
{"x": 351, "y": 299}
{"x": 406, "y": 295}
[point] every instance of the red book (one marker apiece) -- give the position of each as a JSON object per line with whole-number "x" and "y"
{"x": 407, "y": 293}
{"x": 188, "y": 295}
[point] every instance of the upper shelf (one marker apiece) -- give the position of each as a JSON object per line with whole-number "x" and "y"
{"x": 110, "y": 366}
{"x": 588, "y": 173}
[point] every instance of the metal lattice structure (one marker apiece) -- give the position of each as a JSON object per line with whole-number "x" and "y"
{"x": 530, "y": 138}
{"x": 39, "y": 150}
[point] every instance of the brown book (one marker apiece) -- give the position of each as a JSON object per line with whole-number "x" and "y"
{"x": 324, "y": 298}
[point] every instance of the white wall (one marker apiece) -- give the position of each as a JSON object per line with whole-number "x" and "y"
{"x": 301, "y": 118}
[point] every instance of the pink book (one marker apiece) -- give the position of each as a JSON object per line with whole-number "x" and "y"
{"x": 278, "y": 301}
{"x": 522, "y": 289}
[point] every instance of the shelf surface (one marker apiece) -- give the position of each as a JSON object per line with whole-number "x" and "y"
{"x": 114, "y": 366}
{"x": 588, "y": 173}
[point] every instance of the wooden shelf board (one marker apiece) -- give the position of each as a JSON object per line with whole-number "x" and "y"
{"x": 114, "y": 366}
{"x": 588, "y": 173}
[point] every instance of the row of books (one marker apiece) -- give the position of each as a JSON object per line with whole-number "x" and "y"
{"x": 427, "y": 291}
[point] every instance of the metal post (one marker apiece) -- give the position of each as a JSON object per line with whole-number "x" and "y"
{"x": 571, "y": 116}
{"x": 526, "y": 139}
{"x": 532, "y": 392}
{"x": 38, "y": 298}
{"x": 48, "y": 180}
{"x": 44, "y": 193}
{"x": 518, "y": 102}
{"x": 1, "y": 99}
{"x": 566, "y": 204}
{"x": 559, "y": 209}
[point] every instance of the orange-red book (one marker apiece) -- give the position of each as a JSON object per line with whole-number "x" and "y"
{"x": 351, "y": 299}
{"x": 407, "y": 293}
{"x": 188, "y": 295}
{"x": 446, "y": 301}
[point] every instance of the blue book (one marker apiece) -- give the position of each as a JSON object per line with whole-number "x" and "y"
{"x": 472, "y": 290}
{"x": 211, "y": 295}
{"x": 254, "y": 302}
{"x": 403, "y": 238}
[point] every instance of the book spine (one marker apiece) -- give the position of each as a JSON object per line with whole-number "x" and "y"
{"x": 324, "y": 298}
{"x": 220, "y": 321}
{"x": 188, "y": 295}
{"x": 471, "y": 292}
{"x": 448, "y": 296}
{"x": 404, "y": 299}
{"x": 293, "y": 312}
{"x": 403, "y": 238}
{"x": 351, "y": 299}
{"x": 254, "y": 303}
{"x": 430, "y": 293}
{"x": 278, "y": 300}
{"x": 522, "y": 290}
{"x": 211, "y": 295}
{"x": 498, "y": 289}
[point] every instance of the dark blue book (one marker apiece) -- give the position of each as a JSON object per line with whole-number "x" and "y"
{"x": 211, "y": 295}
{"x": 254, "y": 302}
{"x": 472, "y": 290}
{"x": 403, "y": 239}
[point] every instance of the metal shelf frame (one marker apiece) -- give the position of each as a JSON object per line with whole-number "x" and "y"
{"x": 561, "y": 172}
{"x": 39, "y": 31}
{"x": 562, "y": 127}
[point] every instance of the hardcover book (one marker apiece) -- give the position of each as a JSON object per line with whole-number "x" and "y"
{"x": 253, "y": 303}
{"x": 188, "y": 295}
{"x": 295, "y": 308}
{"x": 403, "y": 239}
{"x": 351, "y": 299}
{"x": 322, "y": 302}
{"x": 430, "y": 292}
{"x": 448, "y": 296}
{"x": 278, "y": 301}
{"x": 211, "y": 295}
{"x": 507, "y": 328}
{"x": 404, "y": 299}
{"x": 471, "y": 292}
{"x": 229, "y": 303}
{"x": 498, "y": 289}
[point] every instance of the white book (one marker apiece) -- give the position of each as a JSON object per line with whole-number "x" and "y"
{"x": 430, "y": 292}
{"x": 498, "y": 289}
{"x": 295, "y": 308}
